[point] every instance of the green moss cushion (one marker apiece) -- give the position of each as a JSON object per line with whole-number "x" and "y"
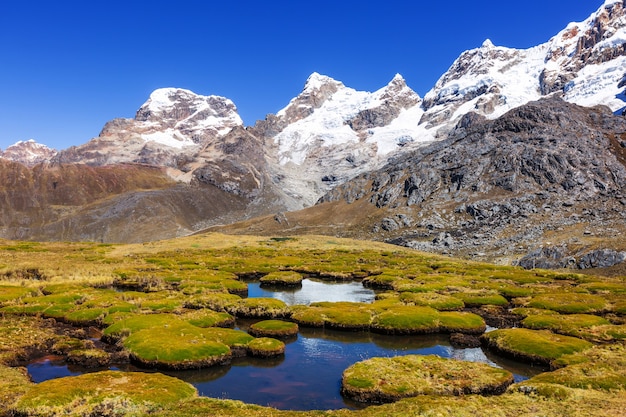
{"x": 99, "y": 393}
{"x": 381, "y": 380}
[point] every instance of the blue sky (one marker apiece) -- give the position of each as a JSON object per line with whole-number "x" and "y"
{"x": 68, "y": 67}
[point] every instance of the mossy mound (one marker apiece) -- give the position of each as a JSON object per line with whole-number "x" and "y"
{"x": 14, "y": 293}
{"x": 602, "y": 368}
{"x": 536, "y": 346}
{"x": 103, "y": 393}
{"x": 259, "y": 308}
{"x": 335, "y": 315}
{"x": 129, "y": 324}
{"x": 437, "y": 301}
{"x": 89, "y": 358}
{"x": 461, "y": 322}
{"x": 208, "y": 318}
{"x": 175, "y": 349}
{"x": 569, "y": 303}
{"x": 479, "y": 299}
{"x": 584, "y": 326}
{"x": 213, "y": 300}
{"x": 167, "y": 342}
{"x": 274, "y": 328}
{"x": 382, "y": 380}
{"x": 282, "y": 279}
{"x": 407, "y": 320}
{"x": 266, "y": 347}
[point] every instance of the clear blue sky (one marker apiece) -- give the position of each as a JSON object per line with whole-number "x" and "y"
{"x": 67, "y": 67}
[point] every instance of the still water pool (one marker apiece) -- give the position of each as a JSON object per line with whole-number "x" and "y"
{"x": 308, "y": 377}
{"x": 313, "y": 291}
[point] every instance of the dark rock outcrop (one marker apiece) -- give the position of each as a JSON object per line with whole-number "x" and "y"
{"x": 500, "y": 185}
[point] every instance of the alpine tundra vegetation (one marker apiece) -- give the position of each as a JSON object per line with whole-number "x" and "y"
{"x": 136, "y": 297}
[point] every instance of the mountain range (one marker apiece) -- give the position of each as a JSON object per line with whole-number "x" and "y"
{"x": 514, "y": 156}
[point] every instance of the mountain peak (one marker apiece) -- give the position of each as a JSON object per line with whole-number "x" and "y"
{"x": 316, "y": 81}
{"x": 488, "y": 44}
{"x": 28, "y": 152}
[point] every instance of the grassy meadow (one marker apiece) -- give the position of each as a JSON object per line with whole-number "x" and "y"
{"x": 172, "y": 305}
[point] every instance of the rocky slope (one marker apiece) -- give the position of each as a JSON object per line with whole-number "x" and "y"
{"x": 546, "y": 172}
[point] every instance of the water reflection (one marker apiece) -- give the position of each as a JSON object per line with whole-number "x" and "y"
{"x": 308, "y": 376}
{"x": 313, "y": 291}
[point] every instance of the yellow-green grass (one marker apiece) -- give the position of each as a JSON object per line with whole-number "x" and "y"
{"x": 407, "y": 320}
{"x": 274, "y": 328}
{"x": 381, "y": 380}
{"x": 601, "y": 368}
{"x": 14, "y": 293}
{"x": 103, "y": 393}
{"x": 14, "y": 383}
{"x": 585, "y": 326}
{"x": 528, "y": 311}
{"x": 91, "y": 358}
{"x": 477, "y": 299}
{"x": 170, "y": 342}
{"x": 199, "y": 271}
{"x": 266, "y": 347}
{"x": 258, "y": 308}
{"x": 213, "y": 301}
{"x": 21, "y": 336}
{"x": 177, "y": 346}
{"x": 536, "y": 346}
{"x": 569, "y": 303}
{"x": 461, "y": 322}
{"x": 582, "y": 403}
{"x": 282, "y": 278}
{"x": 129, "y": 324}
{"x": 437, "y": 301}
{"x": 208, "y": 318}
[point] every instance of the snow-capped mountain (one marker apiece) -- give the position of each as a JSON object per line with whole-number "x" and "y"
{"x": 331, "y": 132}
{"x": 586, "y": 62}
{"x": 170, "y": 127}
{"x": 28, "y": 152}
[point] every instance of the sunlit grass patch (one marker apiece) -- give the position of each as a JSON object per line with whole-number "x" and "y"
{"x": 274, "y": 328}
{"x": 437, "y": 301}
{"x": 601, "y": 368}
{"x": 538, "y": 346}
{"x": 258, "y": 308}
{"x": 101, "y": 393}
{"x": 569, "y": 303}
{"x": 282, "y": 278}
{"x": 477, "y": 299}
{"x": 585, "y": 326}
{"x": 14, "y": 383}
{"x": 208, "y": 318}
{"x": 178, "y": 345}
{"x": 266, "y": 347}
{"x": 407, "y": 320}
{"x": 381, "y": 380}
{"x": 461, "y": 322}
{"x": 14, "y": 293}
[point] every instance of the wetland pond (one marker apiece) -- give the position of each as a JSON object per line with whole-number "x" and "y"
{"x": 308, "y": 376}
